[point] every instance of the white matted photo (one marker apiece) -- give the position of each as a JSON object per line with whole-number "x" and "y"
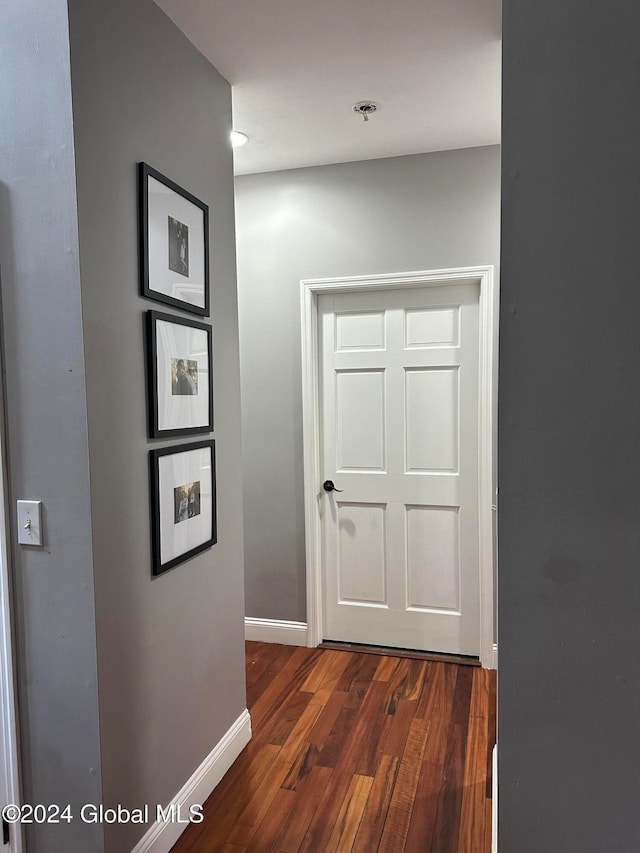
{"x": 180, "y": 375}
{"x": 183, "y": 502}
{"x": 174, "y": 243}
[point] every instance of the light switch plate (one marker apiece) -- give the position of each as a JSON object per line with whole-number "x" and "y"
{"x": 30, "y": 522}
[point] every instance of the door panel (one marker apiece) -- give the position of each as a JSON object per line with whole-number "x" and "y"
{"x": 399, "y": 435}
{"x": 360, "y": 420}
{"x": 362, "y": 570}
{"x": 431, "y": 419}
{"x": 433, "y": 559}
{"x": 432, "y": 327}
{"x": 358, "y": 331}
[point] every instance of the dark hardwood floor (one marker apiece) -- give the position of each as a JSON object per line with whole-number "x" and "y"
{"x": 357, "y": 752}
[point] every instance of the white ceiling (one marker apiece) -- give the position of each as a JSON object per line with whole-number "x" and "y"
{"x": 298, "y": 66}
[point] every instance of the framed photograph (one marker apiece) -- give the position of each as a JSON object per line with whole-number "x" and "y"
{"x": 179, "y": 374}
{"x": 174, "y": 243}
{"x": 183, "y": 502}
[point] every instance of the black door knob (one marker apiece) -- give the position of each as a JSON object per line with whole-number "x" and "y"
{"x": 329, "y": 487}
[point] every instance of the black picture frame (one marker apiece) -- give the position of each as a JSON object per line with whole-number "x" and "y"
{"x": 166, "y": 214}
{"x": 164, "y": 405}
{"x": 163, "y": 478}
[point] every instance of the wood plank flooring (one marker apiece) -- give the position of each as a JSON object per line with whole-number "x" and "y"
{"x": 356, "y": 752}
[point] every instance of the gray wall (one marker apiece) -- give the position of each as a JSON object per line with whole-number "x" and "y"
{"x": 569, "y": 535}
{"x": 425, "y": 211}
{"x": 170, "y": 650}
{"x": 47, "y": 421}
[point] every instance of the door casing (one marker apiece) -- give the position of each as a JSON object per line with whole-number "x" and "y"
{"x": 310, "y": 289}
{"x": 10, "y": 780}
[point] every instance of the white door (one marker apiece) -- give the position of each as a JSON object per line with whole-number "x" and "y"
{"x": 399, "y": 438}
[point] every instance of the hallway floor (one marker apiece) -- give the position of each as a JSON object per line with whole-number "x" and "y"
{"x": 357, "y": 752}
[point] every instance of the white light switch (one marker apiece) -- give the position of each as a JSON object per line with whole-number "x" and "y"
{"x": 30, "y": 522}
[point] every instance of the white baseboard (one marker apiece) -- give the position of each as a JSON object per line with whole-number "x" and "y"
{"x": 162, "y": 836}
{"x": 494, "y": 801}
{"x": 276, "y": 631}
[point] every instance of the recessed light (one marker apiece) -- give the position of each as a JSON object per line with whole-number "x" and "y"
{"x": 238, "y": 138}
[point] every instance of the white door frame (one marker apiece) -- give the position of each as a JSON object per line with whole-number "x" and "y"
{"x": 10, "y": 765}
{"x": 313, "y": 477}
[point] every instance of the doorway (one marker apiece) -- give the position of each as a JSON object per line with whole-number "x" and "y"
{"x": 398, "y": 408}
